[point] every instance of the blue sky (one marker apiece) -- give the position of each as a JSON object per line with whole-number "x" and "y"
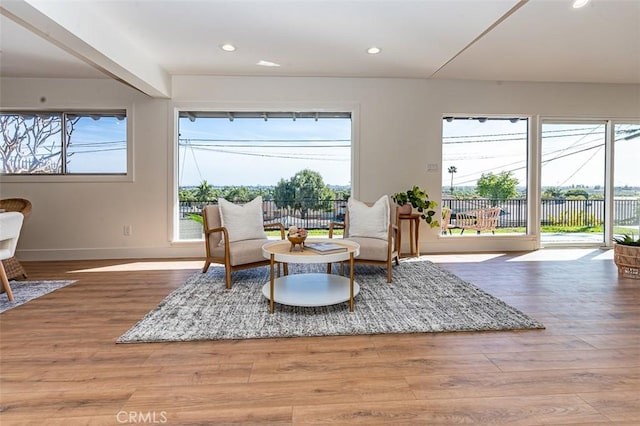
{"x": 572, "y": 154}
{"x": 254, "y": 152}
{"x": 98, "y": 146}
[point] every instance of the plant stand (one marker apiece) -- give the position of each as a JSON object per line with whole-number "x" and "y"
{"x": 627, "y": 259}
{"x": 414, "y": 234}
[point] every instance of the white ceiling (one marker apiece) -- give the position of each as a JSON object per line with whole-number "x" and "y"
{"x": 144, "y": 43}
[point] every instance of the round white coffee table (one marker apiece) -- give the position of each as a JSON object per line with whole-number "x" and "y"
{"x": 311, "y": 289}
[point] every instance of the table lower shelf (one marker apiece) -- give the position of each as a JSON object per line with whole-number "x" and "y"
{"x": 311, "y": 290}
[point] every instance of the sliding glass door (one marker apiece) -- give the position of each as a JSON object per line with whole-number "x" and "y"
{"x": 626, "y": 179}
{"x": 572, "y": 182}
{"x": 578, "y": 201}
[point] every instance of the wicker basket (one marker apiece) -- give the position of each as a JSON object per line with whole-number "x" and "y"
{"x": 627, "y": 259}
{"x": 16, "y": 205}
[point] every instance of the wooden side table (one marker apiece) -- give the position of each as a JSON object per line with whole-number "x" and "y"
{"x": 414, "y": 232}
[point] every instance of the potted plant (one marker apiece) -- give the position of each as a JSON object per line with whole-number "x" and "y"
{"x": 626, "y": 255}
{"x": 418, "y": 199}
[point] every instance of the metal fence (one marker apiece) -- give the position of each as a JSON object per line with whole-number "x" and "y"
{"x": 555, "y": 211}
{"x": 319, "y": 217}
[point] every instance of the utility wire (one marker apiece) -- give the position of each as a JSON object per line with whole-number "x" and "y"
{"x": 289, "y": 156}
{"x": 582, "y": 166}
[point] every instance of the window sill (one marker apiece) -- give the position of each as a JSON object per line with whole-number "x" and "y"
{"x": 65, "y": 178}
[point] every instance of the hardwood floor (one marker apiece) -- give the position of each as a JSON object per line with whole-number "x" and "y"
{"x": 60, "y": 364}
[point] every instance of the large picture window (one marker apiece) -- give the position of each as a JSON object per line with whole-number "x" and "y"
{"x": 299, "y": 162}
{"x": 63, "y": 143}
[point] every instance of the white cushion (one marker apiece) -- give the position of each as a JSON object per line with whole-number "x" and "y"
{"x": 369, "y": 222}
{"x": 242, "y": 222}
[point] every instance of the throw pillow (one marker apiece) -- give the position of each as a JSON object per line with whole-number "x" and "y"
{"x": 370, "y": 222}
{"x": 242, "y": 222}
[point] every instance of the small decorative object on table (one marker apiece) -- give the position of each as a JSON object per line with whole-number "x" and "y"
{"x": 325, "y": 248}
{"x": 296, "y": 237}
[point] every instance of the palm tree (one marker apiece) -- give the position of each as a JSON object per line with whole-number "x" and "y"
{"x": 204, "y": 191}
{"x": 452, "y": 170}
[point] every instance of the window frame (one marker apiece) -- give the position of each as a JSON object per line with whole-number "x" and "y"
{"x": 530, "y": 233}
{"x": 213, "y": 107}
{"x": 128, "y": 176}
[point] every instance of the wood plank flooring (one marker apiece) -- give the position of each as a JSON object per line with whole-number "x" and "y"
{"x": 59, "y": 364}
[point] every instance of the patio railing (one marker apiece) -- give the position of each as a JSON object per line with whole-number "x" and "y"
{"x": 555, "y": 211}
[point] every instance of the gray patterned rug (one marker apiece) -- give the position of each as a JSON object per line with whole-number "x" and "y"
{"x": 24, "y": 291}
{"x": 422, "y": 298}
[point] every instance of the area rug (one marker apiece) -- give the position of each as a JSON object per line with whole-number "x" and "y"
{"x": 24, "y": 291}
{"x": 423, "y": 298}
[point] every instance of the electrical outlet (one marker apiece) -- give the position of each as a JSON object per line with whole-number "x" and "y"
{"x": 126, "y": 230}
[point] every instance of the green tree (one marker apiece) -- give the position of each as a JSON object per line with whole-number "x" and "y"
{"x": 552, "y": 192}
{"x": 577, "y": 194}
{"x": 283, "y": 194}
{"x": 237, "y": 194}
{"x": 204, "y": 192}
{"x": 341, "y": 194}
{"x": 186, "y": 195}
{"x": 497, "y": 187}
{"x": 305, "y": 190}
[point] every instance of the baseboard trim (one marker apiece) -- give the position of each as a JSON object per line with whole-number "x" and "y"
{"x": 182, "y": 251}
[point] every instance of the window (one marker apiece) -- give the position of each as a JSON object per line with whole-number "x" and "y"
{"x": 626, "y": 179}
{"x": 299, "y": 162}
{"x": 484, "y": 166}
{"x": 572, "y": 180}
{"x": 64, "y": 143}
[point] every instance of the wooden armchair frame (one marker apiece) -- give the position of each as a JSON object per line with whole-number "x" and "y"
{"x": 393, "y": 249}
{"x": 226, "y": 259}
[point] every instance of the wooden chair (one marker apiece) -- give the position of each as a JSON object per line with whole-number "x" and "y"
{"x": 12, "y": 267}
{"x": 479, "y": 219}
{"x": 10, "y": 225}
{"x": 235, "y": 255}
{"x": 374, "y": 251}
{"x": 445, "y": 225}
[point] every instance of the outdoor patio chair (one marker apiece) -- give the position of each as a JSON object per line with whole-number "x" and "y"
{"x": 446, "y": 225}
{"x": 377, "y": 246}
{"x": 479, "y": 219}
{"x": 238, "y": 243}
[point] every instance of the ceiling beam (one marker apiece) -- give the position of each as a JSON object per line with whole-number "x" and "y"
{"x": 78, "y": 31}
{"x": 510, "y": 12}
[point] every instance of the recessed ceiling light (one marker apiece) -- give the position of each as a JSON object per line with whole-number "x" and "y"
{"x": 228, "y": 47}
{"x": 267, "y": 63}
{"x": 577, "y": 4}
{"x": 373, "y": 50}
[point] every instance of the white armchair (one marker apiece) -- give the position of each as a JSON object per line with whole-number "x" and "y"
{"x": 10, "y": 226}
{"x": 378, "y": 238}
{"x": 239, "y": 251}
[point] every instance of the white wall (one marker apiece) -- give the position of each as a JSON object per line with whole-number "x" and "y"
{"x": 398, "y": 133}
